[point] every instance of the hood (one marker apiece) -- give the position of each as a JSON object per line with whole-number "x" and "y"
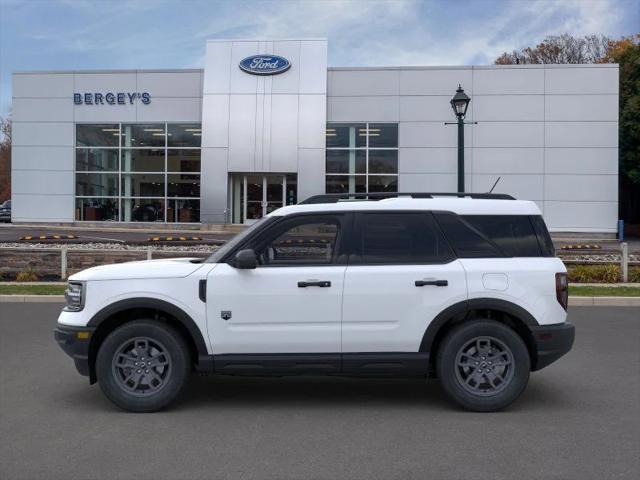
{"x": 165, "y": 268}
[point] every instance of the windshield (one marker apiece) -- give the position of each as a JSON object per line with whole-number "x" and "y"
{"x": 235, "y": 241}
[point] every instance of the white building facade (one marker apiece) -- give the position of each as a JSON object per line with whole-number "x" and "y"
{"x": 268, "y": 123}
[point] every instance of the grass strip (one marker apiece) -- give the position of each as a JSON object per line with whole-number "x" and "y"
{"x": 32, "y": 289}
{"x": 597, "y": 291}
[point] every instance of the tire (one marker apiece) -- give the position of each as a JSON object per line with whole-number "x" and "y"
{"x": 483, "y": 365}
{"x": 143, "y": 365}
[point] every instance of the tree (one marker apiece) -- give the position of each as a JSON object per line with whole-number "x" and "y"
{"x": 626, "y": 53}
{"x": 560, "y": 49}
{"x": 5, "y": 159}
{"x": 600, "y": 49}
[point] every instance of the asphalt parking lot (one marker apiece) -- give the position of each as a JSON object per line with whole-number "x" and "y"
{"x": 579, "y": 418}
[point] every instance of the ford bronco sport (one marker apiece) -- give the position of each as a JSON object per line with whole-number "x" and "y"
{"x": 462, "y": 287}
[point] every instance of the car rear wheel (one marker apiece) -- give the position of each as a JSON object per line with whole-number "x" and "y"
{"x": 143, "y": 365}
{"x": 483, "y": 365}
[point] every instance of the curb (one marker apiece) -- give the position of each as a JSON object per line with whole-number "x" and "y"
{"x": 31, "y": 298}
{"x": 574, "y": 301}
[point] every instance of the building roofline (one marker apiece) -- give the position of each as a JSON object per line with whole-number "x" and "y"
{"x": 481, "y": 67}
{"x": 103, "y": 71}
{"x": 226, "y": 40}
{"x": 331, "y": 69}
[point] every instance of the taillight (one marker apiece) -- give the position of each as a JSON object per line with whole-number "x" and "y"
{"x": 562, "y": 289}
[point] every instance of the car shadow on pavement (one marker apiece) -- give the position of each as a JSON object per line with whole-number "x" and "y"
{"x": 256, "y": 392}
{"x": 302, "y": 392}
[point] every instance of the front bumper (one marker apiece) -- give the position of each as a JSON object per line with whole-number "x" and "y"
{"x": 75, "y": 343}
{"x": 552, "y": 342}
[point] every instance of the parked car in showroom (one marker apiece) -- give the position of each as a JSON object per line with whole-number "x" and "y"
{"x": 5, "y": 211}
{"x": 462, "y": 287}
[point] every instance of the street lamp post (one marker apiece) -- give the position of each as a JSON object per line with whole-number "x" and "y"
{"x": 459, "y": 104}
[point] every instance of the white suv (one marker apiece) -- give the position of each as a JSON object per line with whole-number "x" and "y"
{"x": 465, "y": 287}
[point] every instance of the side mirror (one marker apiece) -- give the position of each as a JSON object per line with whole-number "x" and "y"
{"x": 246, "y": 259}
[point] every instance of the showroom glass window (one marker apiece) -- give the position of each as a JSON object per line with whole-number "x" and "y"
{"x": 138, "y": 172}
{"x": 362, "y": 157}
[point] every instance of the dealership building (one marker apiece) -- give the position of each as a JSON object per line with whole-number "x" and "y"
{"x": 268, "y": 123}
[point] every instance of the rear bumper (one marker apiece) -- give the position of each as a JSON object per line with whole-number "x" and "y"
{"x": 74, "y": 345}
{"x": 552, "y": 342}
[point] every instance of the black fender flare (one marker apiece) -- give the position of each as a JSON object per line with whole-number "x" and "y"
{"x": 460, "y": 309}
{"x": 155, "y": 304}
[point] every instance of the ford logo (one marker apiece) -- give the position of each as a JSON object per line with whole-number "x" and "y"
{"x": 265, "y": 64}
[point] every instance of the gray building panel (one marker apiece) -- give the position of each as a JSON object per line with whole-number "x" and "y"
{"x": 508, "y": 81}
{"x": 581, "y": 79}
{"x": 106, "y": 82}
{"x": 374, "y": 109}
{"x": 171, "y": 84}
{"x": 42, "y": 110}
{"x": 311, "y": 172}
{"x": 581, "y": 108}
{"x": 42, "y": 208}
{"x": 170, "y": 110}
{"x": 44, "y": 134}
{"x": 581, "y": 216}
{"x": 581, "y": 134}
{"x": 508, "y": 108}
{"x": 43, "y": 158}
{"x": 368, "y": 83}
{"x": 500, "y": 161}
{"x": 313, "y": 67}
{"x": 42, "y": 182}
{"x": 427, "y": 108}
{"x": 42, "y": 85}
{"x": 528, "y": 187}
{"x": 579, "y": 161}
{"x": 214, "y": 185}
{"x": 434, "y": 81}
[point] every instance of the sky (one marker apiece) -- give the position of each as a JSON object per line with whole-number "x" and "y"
{"x": 114, "y": 34}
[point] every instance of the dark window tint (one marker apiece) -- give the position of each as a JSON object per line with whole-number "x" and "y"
{"x": 401, "y": 238}
{"x": 544, "y": 239}
{"x": 307, "y": 242}
{"x": 467, "y": 242}
{"x": 103, "y": 135}
{"x": 512, "y": 233}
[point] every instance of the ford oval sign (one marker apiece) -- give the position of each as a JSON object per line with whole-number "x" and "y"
{"x": 265, "y": 64}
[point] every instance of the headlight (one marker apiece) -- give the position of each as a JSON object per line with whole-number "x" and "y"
{"x": 74, "y": 295}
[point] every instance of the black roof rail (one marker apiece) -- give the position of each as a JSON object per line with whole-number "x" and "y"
{"x": 337, "y": 197}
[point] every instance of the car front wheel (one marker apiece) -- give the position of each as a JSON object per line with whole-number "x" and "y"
{"x": 143, "y": 365}
{"x": 483, "y": 365}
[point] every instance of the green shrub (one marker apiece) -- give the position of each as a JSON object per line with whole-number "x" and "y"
{"x": 27, "y": 275}
{"x": 634, "y": 274}
{"x": 594, "y": 273}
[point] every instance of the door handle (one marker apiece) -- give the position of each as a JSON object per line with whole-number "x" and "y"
{"x": 314, "y": 283}
{"x": 437, "y": 283}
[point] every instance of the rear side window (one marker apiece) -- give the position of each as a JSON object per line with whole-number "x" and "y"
{"x": 467, "y": 241}
{"x": 544, "y": 239}
{"x": 513, "y": 234}
{"x": 400, "y": 238}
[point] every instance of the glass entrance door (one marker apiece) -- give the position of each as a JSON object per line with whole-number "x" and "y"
{"x": 255, "y": 195}
{"x": 275, "y": 186}
{"x": 254, "y": 204}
